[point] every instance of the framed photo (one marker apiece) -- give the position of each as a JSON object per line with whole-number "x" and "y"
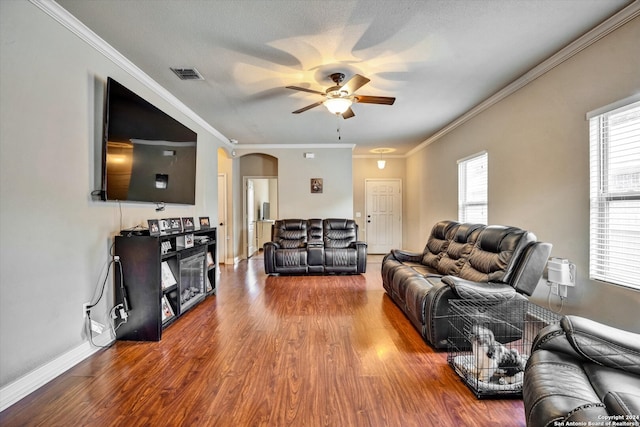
{"x": 204, "y": 222}
{"x": 187, "y": 224}
{"x": 164, "y": 226}
{"x": 154, "y": 227}
{"x": 175, "y": 225}
{"x": 316, "y": 185}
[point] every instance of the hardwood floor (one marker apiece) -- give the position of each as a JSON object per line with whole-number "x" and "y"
{"x": 271, "y": 351}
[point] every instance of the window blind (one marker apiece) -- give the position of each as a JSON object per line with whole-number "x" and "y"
{"x": 472, "y": 189}
{"x": 614, "y": 253}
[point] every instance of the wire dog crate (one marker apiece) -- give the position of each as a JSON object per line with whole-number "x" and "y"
{"x": 489, "y": 343}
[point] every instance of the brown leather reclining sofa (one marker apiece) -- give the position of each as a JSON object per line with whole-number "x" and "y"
{"x": 462, "y": 261}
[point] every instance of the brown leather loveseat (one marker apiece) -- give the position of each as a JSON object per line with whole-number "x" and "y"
{"x": 301, "y": 246}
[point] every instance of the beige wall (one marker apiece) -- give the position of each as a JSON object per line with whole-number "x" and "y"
{"x": 295, "y": 200}
{"x": 538, "y": 145}
{"x": 294, "y": 172}
{"x": 56, "y": 239}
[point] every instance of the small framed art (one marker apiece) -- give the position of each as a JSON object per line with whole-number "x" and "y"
{"x": 187, "y": 224}
{"x": 204, "y": 222}
{"x": 164, "y": 226}
{"x": 175, "y": 225}
{"x": 316, "y": 185}
{"x": 154, "y": 227}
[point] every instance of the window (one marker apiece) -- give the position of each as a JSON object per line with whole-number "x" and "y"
{"x": 614, "y": 253}
{"x": 472, "y": 188}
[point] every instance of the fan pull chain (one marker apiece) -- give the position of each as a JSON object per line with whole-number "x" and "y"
{"x": 338, "y": 129}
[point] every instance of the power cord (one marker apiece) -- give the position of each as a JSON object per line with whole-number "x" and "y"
{"x": 549, "y": 300}
{"x": 121, "y": 309}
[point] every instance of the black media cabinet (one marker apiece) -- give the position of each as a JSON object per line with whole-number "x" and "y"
{"x": 147, "y": 262}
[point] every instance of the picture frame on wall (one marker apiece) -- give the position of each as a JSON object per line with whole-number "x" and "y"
{"x": 316, "y": 185}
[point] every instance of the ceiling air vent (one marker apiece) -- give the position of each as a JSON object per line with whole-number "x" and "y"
{"x": 187, "y": 73}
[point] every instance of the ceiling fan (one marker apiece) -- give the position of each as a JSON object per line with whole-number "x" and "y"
{"x": 338, "y": 99}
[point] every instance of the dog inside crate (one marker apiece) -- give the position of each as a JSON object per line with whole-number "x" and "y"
{"x": 490, "y": 342}
{"x": 489, "y": 346}
{"x": 493, "y": 360}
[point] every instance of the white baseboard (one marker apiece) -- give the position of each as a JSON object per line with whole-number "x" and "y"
{"x": 22, "y": 387}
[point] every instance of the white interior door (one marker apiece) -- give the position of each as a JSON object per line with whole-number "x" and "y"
{"x": 383, "y": 215}
{"x": 221, "y": 244}
{"x": 251, "y": 220}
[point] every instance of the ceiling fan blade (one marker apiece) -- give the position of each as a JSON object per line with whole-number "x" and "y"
{"x": 308, "y": 107}
{"x": 386, "y": 100}
{"x": 303, "y": 89}
{"x": 355, "y": 83}
{"x": 348, "y": 114}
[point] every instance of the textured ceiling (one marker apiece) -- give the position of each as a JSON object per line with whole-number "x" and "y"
{"x": 439, "y": 58}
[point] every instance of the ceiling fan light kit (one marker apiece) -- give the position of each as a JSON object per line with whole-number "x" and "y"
{"x": 338, "y": 105}
{"x": 338, "y": 99}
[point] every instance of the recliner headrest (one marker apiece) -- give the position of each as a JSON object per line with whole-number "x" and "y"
{"x": 441, "y": 229}
{"x": 293, "y": 224}
{"x": 490, "y": 240}
{"x": 464, "y": 231}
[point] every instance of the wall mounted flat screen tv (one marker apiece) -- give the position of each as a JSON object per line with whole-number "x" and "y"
{"x": 147, "y": 156}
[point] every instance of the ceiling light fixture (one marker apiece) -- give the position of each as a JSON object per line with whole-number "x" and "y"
{"x": 381, "y": 162}
{"x": 338, "y": 105}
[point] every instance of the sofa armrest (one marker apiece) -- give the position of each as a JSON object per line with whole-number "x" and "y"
{"x": 469, "y": 290}
{"x": 361, "y": 249}
{"x": 602, "y": 344}
{"x": 406, "y": 256}
{"x": 587, "y": 340}
{"x": 269, "y": 256}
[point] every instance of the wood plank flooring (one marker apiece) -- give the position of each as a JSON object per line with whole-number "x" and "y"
{"x": 271, "y": 351}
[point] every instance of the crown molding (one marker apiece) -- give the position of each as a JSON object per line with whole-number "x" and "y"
{"x": 377, "y": 156}
{"x": 74, "y": 25}
{"x": 605, "y": 28}
{"x": 290, "y": 146}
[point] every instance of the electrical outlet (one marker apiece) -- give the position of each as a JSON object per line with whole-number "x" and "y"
{"x": 554, "y": 288}
{"x": 85, "y": 308}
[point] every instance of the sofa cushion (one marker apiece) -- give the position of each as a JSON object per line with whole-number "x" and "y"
{"x": 625, "y": 404}
{"x": 557, "y": 389}
{"x": 459, "y": 248}
{"x": 494, "y": 254}
{"x": 339, "y": 233}
{"x": 291, "y": 258}
{"x": 290, "y": 233}
{"x": 437, "y": 242}
{"x": 605, "y": 379}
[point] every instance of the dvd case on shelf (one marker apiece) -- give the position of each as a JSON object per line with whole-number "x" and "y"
{"x": 166, "y": 275}
{"x": 167, "y": 311}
